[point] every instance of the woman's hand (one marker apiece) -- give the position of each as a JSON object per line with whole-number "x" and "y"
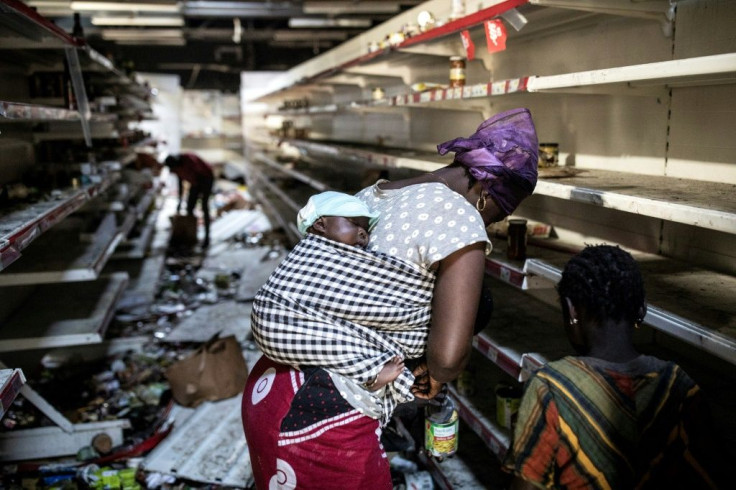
{"x": 425, "y": 386}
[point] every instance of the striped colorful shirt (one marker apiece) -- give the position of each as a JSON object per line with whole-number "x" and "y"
{"x": 585, "y": 423}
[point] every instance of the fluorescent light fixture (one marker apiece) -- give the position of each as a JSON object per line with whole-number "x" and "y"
{"x": 345, "y": 7}
{"x": 286, "y": 35}
{"x": 298, "y": 22}
{"x": 125, "y": 7}
{"x": 137, "y": 21}
{"x": 151, "y": 42}
{"x": 141, "y": 34}
{"x": 241, "y": 9}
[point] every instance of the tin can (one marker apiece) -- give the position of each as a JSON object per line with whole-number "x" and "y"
{"x": 457, "y": 71}
{"x": 508, "y": 399}
{"x": 516, "y": 239}
{"x": 441, "y": 426}
{"x": 549, "y": 154}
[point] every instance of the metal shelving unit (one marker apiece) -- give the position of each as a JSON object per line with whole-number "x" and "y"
{"x": 691, "y": 306}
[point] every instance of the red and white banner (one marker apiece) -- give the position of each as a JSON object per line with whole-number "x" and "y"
{"x": 495, "y": 35}
{"x": 468, "y": 44}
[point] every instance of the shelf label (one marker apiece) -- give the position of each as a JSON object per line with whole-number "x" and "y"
{"x": 499, "y": 88}
{"x": 504, "y": 274}
{"x": 425, "y": 96}
{"x": 480, "y": 90}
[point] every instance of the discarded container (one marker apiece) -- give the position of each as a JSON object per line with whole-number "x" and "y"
{"x": 419, "y": 480}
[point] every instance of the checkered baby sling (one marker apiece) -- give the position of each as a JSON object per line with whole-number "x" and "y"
{"x": 346, "y": 310}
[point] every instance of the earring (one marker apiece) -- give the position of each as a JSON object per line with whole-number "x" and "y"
{"x": 480, "y": 204}
{"x": 573, "y": 322}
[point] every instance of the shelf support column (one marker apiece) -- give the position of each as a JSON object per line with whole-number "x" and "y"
{"x": 80, "y": 94}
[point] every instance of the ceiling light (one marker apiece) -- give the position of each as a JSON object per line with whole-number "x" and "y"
{"x": 318, "y": 22}
{"x": 125, "y": 7}
{"x": 137, "y": 21}
{"x": 241, "y": 9}
{"x": 151, "y": 42}
{"x": 237, "y": 31}
{"x": 286, "y": 35}
{"x": 140, "y": 34}
{"x": 337, "y": 8}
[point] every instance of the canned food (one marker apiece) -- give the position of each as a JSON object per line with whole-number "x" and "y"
{"x": 441, "y": 439}
{"x": 508, "y": 399}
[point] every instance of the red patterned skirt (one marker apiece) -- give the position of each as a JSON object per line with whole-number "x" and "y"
{"x": 302, "y": 434}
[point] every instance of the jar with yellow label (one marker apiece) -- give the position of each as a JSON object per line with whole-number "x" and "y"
{"x": 457, "y": 71}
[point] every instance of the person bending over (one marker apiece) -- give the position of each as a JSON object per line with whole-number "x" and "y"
{"x": 188, "y": 167}
{"x": 434, "y": 226}
{"x": 610, "y": 417}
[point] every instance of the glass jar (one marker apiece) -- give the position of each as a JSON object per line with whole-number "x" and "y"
{"x": 516, "y": 246}
{"x": 457, "y": 71}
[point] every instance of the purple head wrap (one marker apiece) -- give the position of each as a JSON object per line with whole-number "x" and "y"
{"x": 502, "y": 154}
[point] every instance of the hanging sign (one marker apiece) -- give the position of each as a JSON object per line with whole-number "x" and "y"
{"x": 495, "y": 35}
{"x": 468, "y": 44}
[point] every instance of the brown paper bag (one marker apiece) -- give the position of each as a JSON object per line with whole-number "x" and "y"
{"x": 215, "y": 371}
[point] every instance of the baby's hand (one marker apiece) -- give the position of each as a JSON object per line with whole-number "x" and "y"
{"x": 390, "y": 371}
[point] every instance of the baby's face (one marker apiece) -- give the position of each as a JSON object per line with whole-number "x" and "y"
{"x": 350, "y": 231}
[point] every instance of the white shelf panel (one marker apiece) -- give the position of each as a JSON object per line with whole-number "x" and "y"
{"x": 11, "y": 382}
{"x": 703, "y": 204}
{"x": 14, "y": 111}
{"x": 58, "y": 315}
{"x": 283, "y": 196}
{"x": 344, "y": 153}
{"x": 703, "y": 70}
{"x": 263, "y": 158}
{"x": 698, "y": 203}
{"x": 273, "y": 214}
{"x": 48, "y": 442}
{"x": 354, "y": 51}
{"x": 80, "y": 259}
{"x": 20, "y": 227}
{"x": 496, "y": 438}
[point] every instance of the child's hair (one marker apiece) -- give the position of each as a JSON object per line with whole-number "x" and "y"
{"x": 331, "y": 203}
{"x": 606, "y": 282}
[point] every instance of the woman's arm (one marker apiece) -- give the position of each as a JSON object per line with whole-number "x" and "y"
{"x": 455, "y": 304}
